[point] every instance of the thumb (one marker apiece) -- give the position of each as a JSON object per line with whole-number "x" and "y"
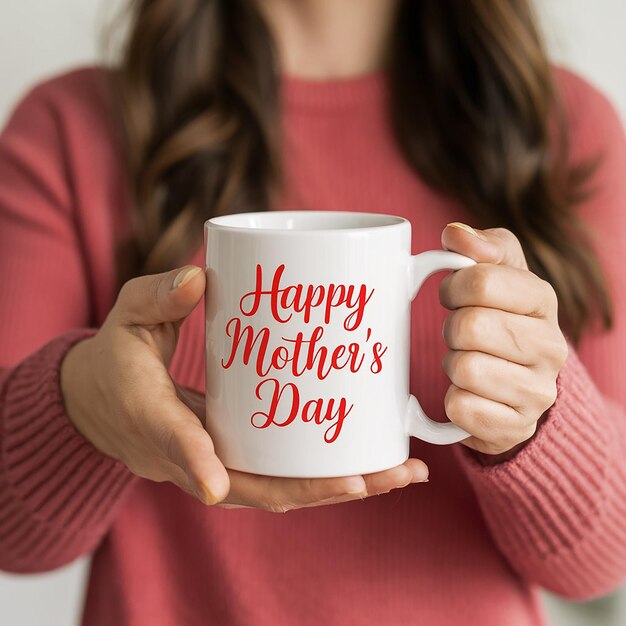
{"x": 191, "y": 449}
{"x": 181, "y": 439}
{"x": 493, "y": 245}
{"x": 159, "y": 298}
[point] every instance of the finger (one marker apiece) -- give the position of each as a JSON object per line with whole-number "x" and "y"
{"x": 283, "y": 494}
{"x": 181, "y": 439}
{"x": 499, "y": 380}
{"x": 328, "y": 501}
{"x": 411, "y": 471}
{"x": 334, "y": 500}
{"x": 159, "y": 298}
{"x": 494, "y": 245}
{"x": 499, "y": 287}
{"x": 498, "y": 425}
{"x": 517, "y": 338}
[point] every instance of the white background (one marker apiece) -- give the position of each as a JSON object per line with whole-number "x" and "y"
{"x": 40, "y": 37}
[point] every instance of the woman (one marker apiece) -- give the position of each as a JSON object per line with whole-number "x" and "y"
{"x": 440, "y": 112}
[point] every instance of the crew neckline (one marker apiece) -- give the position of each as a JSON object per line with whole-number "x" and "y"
{"x": 337, "y": 93}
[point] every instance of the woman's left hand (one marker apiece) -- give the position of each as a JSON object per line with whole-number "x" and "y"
{"x": 505, "y": 344}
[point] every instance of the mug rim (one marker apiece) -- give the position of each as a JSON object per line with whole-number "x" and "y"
{"x": 376, "y": 222}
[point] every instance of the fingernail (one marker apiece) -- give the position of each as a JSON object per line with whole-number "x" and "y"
{"x": 205, "y": 494}
{"x": 184, "y": 276}
{"x": 355, "y": 486}
{"x": 467, "y": 229}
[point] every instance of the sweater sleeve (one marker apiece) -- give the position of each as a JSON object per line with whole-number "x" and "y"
{"x": 557, "y": 510}
{"x": 58, "y": 494}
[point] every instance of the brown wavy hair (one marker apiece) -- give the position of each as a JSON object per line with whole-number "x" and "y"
{"x": 473, "y": 102}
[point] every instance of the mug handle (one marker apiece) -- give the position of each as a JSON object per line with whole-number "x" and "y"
{"x": 418, "y": 423}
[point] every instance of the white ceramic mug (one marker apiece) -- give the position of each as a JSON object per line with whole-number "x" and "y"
{"x": 307, "y": 342}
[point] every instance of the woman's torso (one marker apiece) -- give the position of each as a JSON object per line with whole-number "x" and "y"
{"x": 422, "y": 555}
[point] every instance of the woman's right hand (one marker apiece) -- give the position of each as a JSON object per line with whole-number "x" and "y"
{"x": 119, "y": 396}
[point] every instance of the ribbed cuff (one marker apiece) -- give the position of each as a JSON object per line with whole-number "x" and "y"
{"x": 48, "y": 467}
{"x": 546, "y": 498}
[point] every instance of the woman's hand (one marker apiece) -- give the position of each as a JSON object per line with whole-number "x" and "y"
{"x": 120, "y": 396}
{"x": 506, "y": 347}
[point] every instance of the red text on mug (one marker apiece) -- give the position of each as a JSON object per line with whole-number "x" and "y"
{"x": 301, "y": 352}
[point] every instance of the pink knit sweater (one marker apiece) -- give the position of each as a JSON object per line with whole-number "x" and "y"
{"x": 470, "y": 547}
